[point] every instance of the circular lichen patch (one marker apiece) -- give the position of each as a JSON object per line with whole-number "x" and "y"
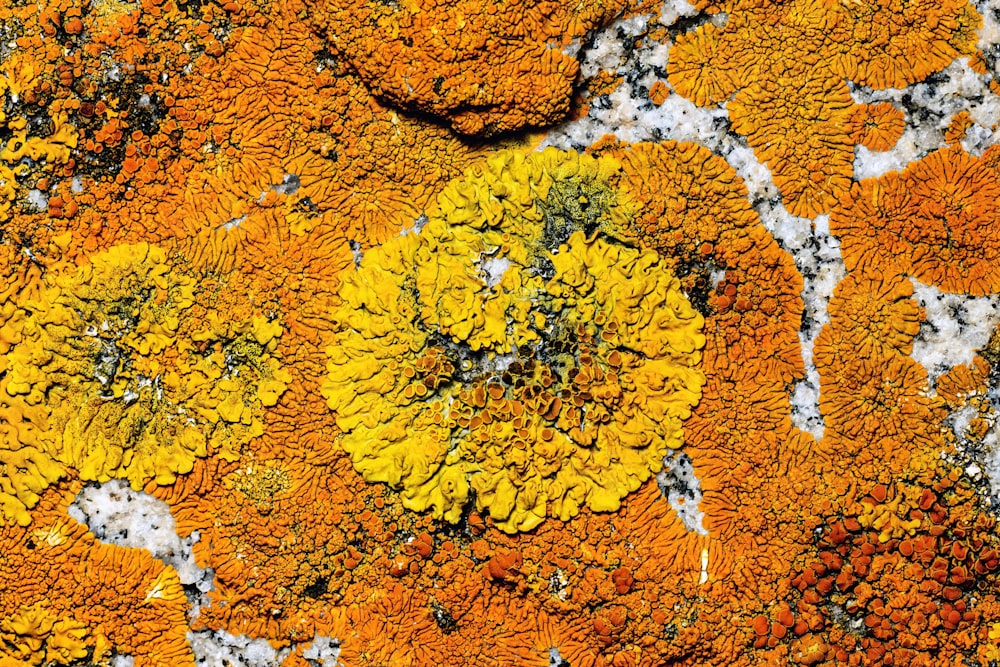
{"x": 513, "y": 352}
{"x": 118, "y": 375}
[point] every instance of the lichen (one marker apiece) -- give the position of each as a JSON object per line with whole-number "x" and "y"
{"x": 512, "y": 350}
{"x": 934, "y": 220}
{"x": 33, "y": 636}
{"x": 782, "y": 68}
{"x": 114, "y": 379}
{"x": 220, "y": 219}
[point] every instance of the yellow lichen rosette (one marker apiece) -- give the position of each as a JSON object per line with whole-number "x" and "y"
{"x": 114, "y": 375}
{"x": 513, "y": 352}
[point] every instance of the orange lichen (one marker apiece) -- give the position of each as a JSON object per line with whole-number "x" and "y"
{"x": 245, "y": 142}
{"x": 958, "y": 126}
{"x": 254, "y": 521}
{"x": 602, "y": 83}
{"x": 658, "y": 93}
{"x": 876, "y": 126}
{"x": 694, "y": 212}
{"x": 74, "y": 597}
{"x": 907, "y": 579}
{"x": 968, "y": 388}
{"x": 484, "y": 67}
{"x": 936, "y": 220}
{"x": 388, "y": 630}
{"x": 282, "y": 563}
{"x": 286, "y": 164}
{"x": 880, "y": 401}
{"x": 888, "y": 45}
{"x": 783, "y": 78}
{"x": 876, "y": 314}
{"x": 965, "y": 382}
{"x": 535, "y": 640}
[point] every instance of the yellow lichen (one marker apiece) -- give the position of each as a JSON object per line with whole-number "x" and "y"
{"x": 115, "y": 376}
{"x": 25, "y": 466}
{"x": 890, "y": 516}
{"x": 513, "y": 350}
{"x": 992, "y": 649}
{"x": 34, "y": 636}
{"x": 53, "y": 148}
{"x": 260, "y": 482}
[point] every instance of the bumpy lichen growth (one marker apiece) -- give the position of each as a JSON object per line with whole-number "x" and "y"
{"x": 485, "y": 67}
{"x": 26, "y": 468}
{"x": 245, "y": 138}
{"x": 512, "y": 350}
{"x": 69, "y": 599}
{"x": 34, "y": 636}
{"x": 116, "y": 377}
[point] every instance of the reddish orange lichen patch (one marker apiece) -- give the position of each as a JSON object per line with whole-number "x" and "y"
{"x": 658, "y": 93}
{"x": 908, "y": 553}
{"x": 876, "y": 126}
{"x": 486, "y": 68}
{"x": 937, "y": 220}
{"x": 783, "y": 77}
{"x": 908, "y": 563}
